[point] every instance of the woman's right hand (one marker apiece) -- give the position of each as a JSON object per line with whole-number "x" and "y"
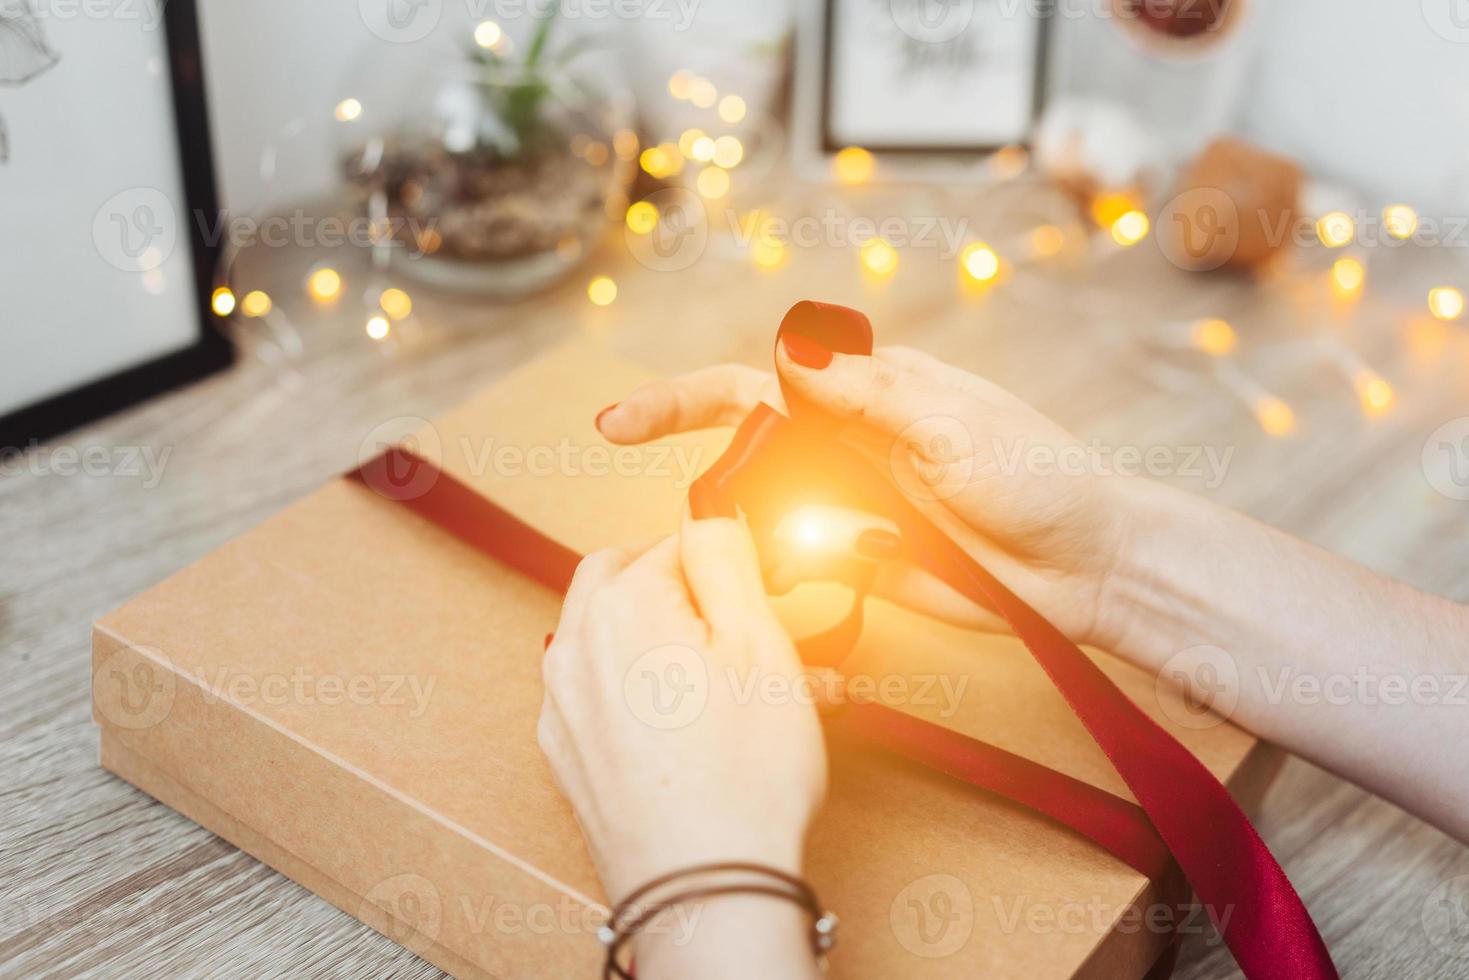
{"x": 1013, "y": 488}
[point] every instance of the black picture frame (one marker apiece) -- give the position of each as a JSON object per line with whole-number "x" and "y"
{"x": 830, "y": 145}
{"x": 212, "y": 350}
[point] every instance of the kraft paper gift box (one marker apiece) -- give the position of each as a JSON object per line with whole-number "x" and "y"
{"x": 350, "y": 693}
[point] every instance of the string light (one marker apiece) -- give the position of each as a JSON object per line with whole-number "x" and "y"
{"x": 712, "y": 182}
{"x": 1374, "y": 391}
{"x": 731, "y": 108}
{"x": 1214, "y": 336}
{"x": 1400, "y": 221}
{"x": 702, "y": 93}
{"x": 487, "y": 34}
{"x": 980, "y": 262}
{"x": 1009, "y": 161}
{"x": 596, "y": 153}
{"x": 728, "y": 152}
{"x": 395, "y": 303}
{"x": 879, "y": 257}
{"x": 768, "y": 253}
{"x": 1130, "y": 228}
{"x": 642, "y": 217}
{"x": 702, "y": 149}
{"x": 679, "y": 84}
{"x": 255, "y": 303}
{"x": 602, "y": 291}
{"x": 348, "y": 110}
{"x": 1108, "y": 208}
{"x": 1347, "y": 276}
{"x": 625, "y": 144}
{"x": 1335, "y": 229}
{"x": 1276, "y": 418}
{"x": 223, "y": 301}
{"x": 1445, "y": 303}
{"x": 687, "y": 139}
{"x": 661, "y": 161}
{"x": 853, "y": 165}
{"x": 324, "y": 284}
{"x": 378, "y": 327}
{"x": 1047, "y": 241}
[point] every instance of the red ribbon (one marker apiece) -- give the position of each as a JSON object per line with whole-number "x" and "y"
{"x": 775, "y": 464}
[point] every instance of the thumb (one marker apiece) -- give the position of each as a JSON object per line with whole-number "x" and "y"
{"x": 722, "y": 571}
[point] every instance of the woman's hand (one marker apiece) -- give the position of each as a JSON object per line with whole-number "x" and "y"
{"x": 676, "y": 723}
{"x": 1009, "y": 485}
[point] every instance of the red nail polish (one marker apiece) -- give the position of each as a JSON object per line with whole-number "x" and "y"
{"x": 549, "y": 638}
{"x": 598, "y": 422}
{"x": 805, "y": 351}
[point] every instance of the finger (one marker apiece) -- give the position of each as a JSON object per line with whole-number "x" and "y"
{"x": 713, "y": 396}
{"x": 560, "y": 751}
{"x": 723, "y": 575}
{"x": 592, "y": 572}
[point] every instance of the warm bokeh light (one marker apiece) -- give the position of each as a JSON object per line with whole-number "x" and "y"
{"x": 728, "y": 152}
{"x": 769, "y": 253}
{"x": 625, "y": 144}
{"x": 1107, "y": 208}
{"x": 853, "y": 165}
{"x": 687, "y": 139}
{"x": 487, "y": 34}
{"x": 712, "y": 182}
{"x": 702, "y": 93}
{"x": 879, "y": 257}
{"x": 1276, "y": 418}
{"x": 596, "y": 153}
{"x": 731, "y": 108}
{"x": 679, "y": 83}
{"x": 223, "y": 301}
{"x": 324, "y": 284}
{"x": 661, "y": 161}
{"x": 1400, "y": 221}
{"x": 1445, "y": 302}
{"x": 1214, "y": 336}
{"x": 1374, "y": 391}
{"x": 980, "y": 262}
{"x": 642, "y": 217}
{"x": 1335, "y": 229}
{"x": 1347, "y": 276}
{"x": 1009, "y": 161}
{"x": 1130, "y": 228}
{"x": 256, "y": 303}
{"x": 378, "y": 327}
{"x": 602, "y": 291}
{"x": 702, "y": 149}
{"x": 348, "y": 110}
{"x": 395, "y": 303}
{"x": 1047, "y": 241}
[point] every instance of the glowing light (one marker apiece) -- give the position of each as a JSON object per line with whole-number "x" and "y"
{"x": 768, "y": 253}
{"x": 980, "y": 262}
{"x": 702, "y": 149}
{"x": 1215, "y": 337}
{"x": 1107, "y": 208}
{"x": 702, "y": 93}
{"x": 596, "y": 153}
{"x": 223, "y": 301}
{"x": 688, "y": 138}
{"x": 378, "y": 327}
{"x": 324, "y": 284}
{"x": 1374, "y": 391}
{"x": 1399, "y": 220}
{"x": 1445, "y": 303}
{"x": 1335, "y": 229}
{"x": 728, "y": 152}
{"x": 853, "y": 165}
{"x": 661, "y": 161}
{"x": 811, "y": 531}
{"x": 487, "y": 34}
{"x": 395, "y": 303}
{"x": 712, "y": 182}
{"x": 255, "y": 303}
{"x": 679, "y": 83}
{"x": 602, "y": 291}
{"x": 1347, "y": 276}
{"x": 625, "y": 144}
{"x": 348, "y": 110}
{"x": 642, "y": 217}
{"x": 731, "y": 108}
{"x": 1130, "y": 228}
{"x": 1047, "y": 240}
{"x": 1276, "y": 418}
{"x": 1008, "y": 161}
{"x": 879, "y": 257}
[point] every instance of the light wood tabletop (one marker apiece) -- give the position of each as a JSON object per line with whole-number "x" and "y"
{"x": 100, "y": 878}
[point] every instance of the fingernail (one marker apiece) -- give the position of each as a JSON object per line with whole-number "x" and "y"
{"x": 549, "y": 638}
{"x": 805, "y": 351}
{"x": 879, "y": 544}
{"x": 705, "y": 502}
{"x": 602, "y": 414}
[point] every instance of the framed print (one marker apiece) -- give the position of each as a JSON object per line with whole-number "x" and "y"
{"x": 107, "y": 187}
{"x": 920, "y": 79}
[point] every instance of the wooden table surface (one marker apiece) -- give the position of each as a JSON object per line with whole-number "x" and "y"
{"x": 100, "y": 878}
